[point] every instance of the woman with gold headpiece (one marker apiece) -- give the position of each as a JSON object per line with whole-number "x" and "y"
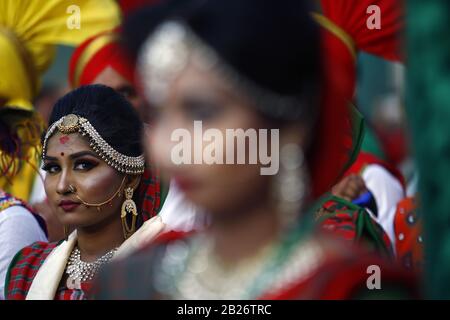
{"x": 29, "y": 31}
{"x": 93, "y": 161}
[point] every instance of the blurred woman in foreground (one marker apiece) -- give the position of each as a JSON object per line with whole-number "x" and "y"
{"x": 252, "y": 65}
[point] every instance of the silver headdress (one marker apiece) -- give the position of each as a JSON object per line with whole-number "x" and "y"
{"x": 173, "y": 45}
{"x": 72, "y": 123}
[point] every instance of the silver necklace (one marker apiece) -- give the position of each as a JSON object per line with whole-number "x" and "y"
{"x": 264, "y": 273}
{"x": 81, "y": 271}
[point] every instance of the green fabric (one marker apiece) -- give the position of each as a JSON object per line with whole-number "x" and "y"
{"x": 358, "y": 131}
{"x": 164, "y": 191}
{"x": 428, "y": 111}
{"x": 369, "y": 234}
{"x": 13, "y": 262}
{"x": 365, "y": 230}
{"x": 365, "y": 227}
{"x": 370, "y": 144}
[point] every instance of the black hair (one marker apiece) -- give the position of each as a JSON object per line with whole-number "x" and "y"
{"x": 109, "y": 113}
{"x": 140, "y": 23}
{"x": 274, "y": 44}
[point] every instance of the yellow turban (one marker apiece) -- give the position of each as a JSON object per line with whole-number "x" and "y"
{"x": 29, "y": 31}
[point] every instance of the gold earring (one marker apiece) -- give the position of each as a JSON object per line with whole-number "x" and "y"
{"x": 128, "y": 206}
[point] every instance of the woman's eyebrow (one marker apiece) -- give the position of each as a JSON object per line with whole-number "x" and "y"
{"x": 50, "y": 158}
{"x": 83, "y": 153}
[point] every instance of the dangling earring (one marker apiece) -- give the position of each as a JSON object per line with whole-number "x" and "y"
{"x": 291, "y": 183}
{"x": 128, "y": 206}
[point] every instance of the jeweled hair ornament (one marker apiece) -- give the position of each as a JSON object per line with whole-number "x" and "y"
{"x": 173, "y": 45}
{"x": 73, "y": 123}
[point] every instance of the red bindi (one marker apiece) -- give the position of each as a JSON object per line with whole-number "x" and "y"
{"x": 64, "y": 139}
{"x": 62, "y": 154}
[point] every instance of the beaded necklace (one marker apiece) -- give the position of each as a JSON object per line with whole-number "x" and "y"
{"x": 80, "y": 271}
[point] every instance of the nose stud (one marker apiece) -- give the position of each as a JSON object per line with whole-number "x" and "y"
{"x": 72, "y": 189}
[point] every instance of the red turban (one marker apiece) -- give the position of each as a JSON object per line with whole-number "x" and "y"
{"x": 345, "y": 32}
{"x": 94, "y": 55}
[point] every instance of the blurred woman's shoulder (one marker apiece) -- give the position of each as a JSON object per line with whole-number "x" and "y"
{"x": 321, "y": 266}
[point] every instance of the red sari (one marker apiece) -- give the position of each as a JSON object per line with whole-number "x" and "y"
{"x": 338, "y": 272}
{"x": 345, "y": 243}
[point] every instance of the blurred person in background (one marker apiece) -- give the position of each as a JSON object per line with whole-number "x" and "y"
{"x": 235, "y": 65}
{"x": 383, "y": 179}
{"x": 101, "y": 60}
{"x": 374, "y": 181}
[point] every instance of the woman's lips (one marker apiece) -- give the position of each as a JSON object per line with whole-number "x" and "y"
{"x": 68, "y": 205}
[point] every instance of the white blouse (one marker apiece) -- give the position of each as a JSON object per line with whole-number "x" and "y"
{"x": 18, "y": 229}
